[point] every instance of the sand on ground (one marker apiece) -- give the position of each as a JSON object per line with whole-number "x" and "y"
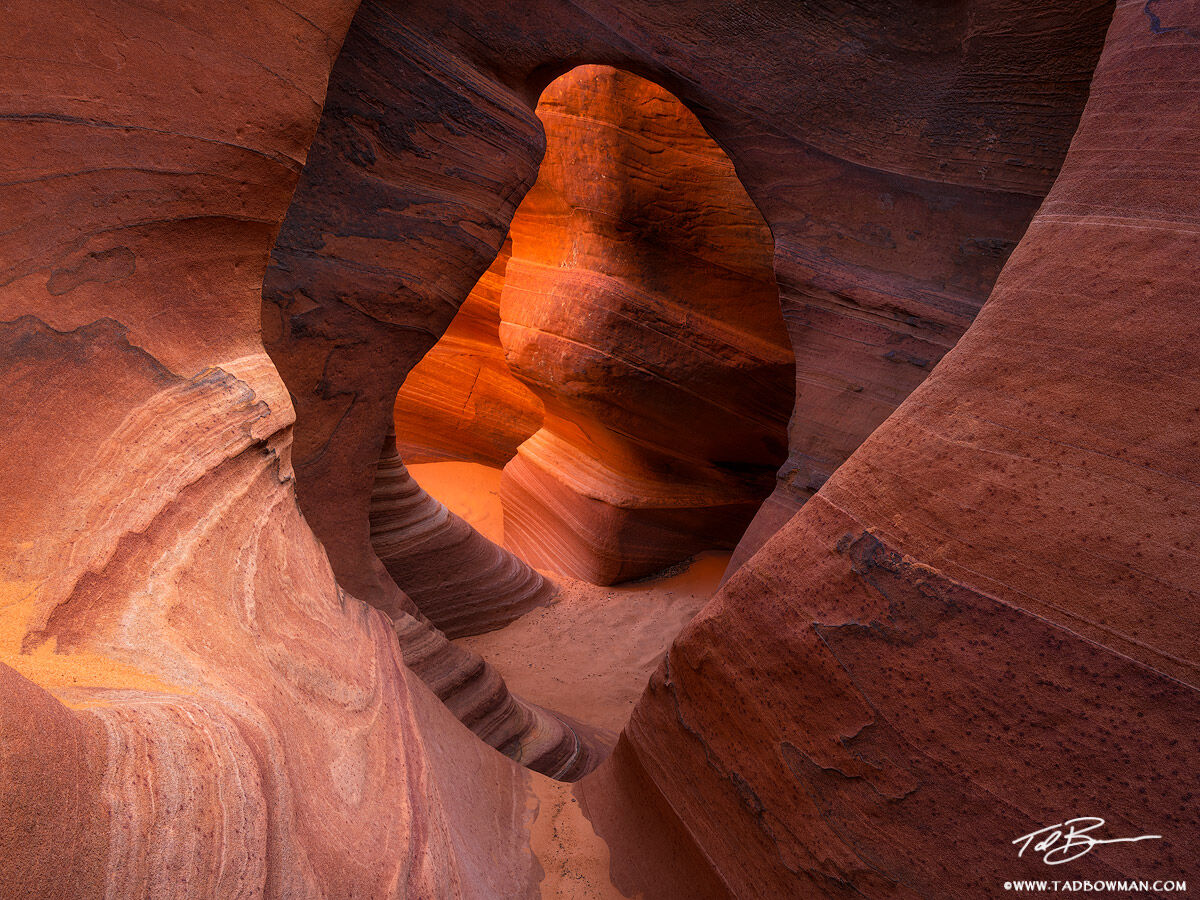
{"x": 573, "y": 857}
{"x": 469, "y": 489}
{"x": 590, "y": 652}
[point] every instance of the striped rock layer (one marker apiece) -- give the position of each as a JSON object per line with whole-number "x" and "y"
{"x": 981, "y": 624}
{"x": 457, "y": 578}
{"x": 640, "y": 305}
{"x": 461, "y": 401}
{"x": 191, "y": 705}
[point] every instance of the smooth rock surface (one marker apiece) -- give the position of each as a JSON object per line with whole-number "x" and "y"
{"x": 640, "y": 305}
{"x": 461, "y": 401}
{"x": 191, "y": 705}
{"x": 458, "y": 579}
{"x": 983, "y": 621}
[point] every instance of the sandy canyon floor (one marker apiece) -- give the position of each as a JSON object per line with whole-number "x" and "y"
{"x": 590, "y": 652}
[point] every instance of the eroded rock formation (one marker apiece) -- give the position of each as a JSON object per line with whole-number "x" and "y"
{"x": 462, "y": 402}
{"x": 191, "y": 705}
{"x": 359, "y": 288}
{"x": 982, "y": 622}
{"x": 394, "y": 221}
{"x": 640, "y": 305}
{"x": 895, "y": 176}
{"x": 461, "y": 581}
{"x": 541, "y": 740}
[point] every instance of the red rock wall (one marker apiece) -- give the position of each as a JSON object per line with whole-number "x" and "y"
{"x": 461, "y": 401}
{"x": 984, "y": 622}
{"x": 896, "y": 158}
{"x": 912, "y": 672}
{"x": 191, "y": 706}
{"x": 369, "y": 267}
{"x": 897, "y": 161}
{"x": 640, "y": 305}
{"x": 379, "y": 248}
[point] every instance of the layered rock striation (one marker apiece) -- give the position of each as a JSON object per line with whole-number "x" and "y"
{"x": 369, "y": 267}
{"x": 393, "y": 222}
{"x": 895, "y": 174}
{"x": 980, "y": 626}
{"x": 462, "y": 582}
{"x": 461, "y": 402}
{"x": 191, "y": 704}
{"x": 982, "y": 622}
{"x": 640, "y": 305}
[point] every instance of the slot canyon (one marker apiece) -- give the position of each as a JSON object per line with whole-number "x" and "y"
{"x": 599, "y": 450}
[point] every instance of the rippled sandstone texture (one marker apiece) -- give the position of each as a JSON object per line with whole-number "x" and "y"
{"x": 359, "y": 288}
{"x": 896, "y": 157}
{"x": 981, "y": 623}
{"x": 463, "y": 582}
{"x": 191, "y": 706}
{"x": 461, "y": 401}
{"x": 640, "y": 305}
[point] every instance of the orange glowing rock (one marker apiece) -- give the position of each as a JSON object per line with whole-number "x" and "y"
{"x": 640, "y": 305}
{"x": 461, "y": 401}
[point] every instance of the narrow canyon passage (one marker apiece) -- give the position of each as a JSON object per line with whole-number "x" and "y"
{"x": 945, "y": 324}
{"x": 425, "y": 149}
{"x": 591, "y": 650}
{"x": 609, "y": 404}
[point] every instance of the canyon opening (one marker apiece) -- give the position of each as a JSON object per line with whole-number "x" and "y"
{"x": 810, "y": 387}
{"x": 624, "y": 363}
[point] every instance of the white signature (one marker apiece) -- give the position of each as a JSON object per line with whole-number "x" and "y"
{"x": 1058, "y": 846}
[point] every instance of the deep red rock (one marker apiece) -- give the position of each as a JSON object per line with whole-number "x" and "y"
{"x": 983, "y": 621}
{"x": 980, "y": 625}
{"x": 191, "y": 705}
{"x": 368, "y": 270}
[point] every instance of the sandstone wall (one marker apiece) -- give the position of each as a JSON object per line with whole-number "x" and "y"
{"x": 982, "y": 620}
{"x": 982, "y": 623}
{"x": 191, "y": 705}
{"x": 640, "y": 305}
{"x": 461, "y": 401}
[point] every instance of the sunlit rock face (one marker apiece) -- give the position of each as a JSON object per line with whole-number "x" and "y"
{"x": 462, "y": 402}
{"x": 640, "y": 305}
